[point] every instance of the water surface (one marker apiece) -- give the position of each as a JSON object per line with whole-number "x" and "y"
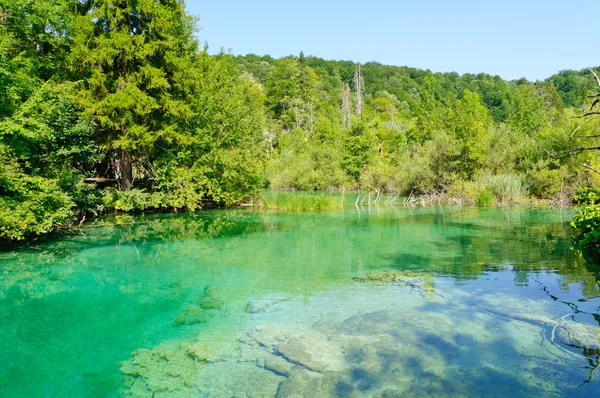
{"x": 242, "y": 303}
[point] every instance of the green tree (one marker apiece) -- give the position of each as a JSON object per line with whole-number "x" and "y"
{"x": 136, "y": 59}
{"x": 469, "y": 122}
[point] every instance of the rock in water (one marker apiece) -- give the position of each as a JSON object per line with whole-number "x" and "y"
{"x": 313, "y": 351}
{"x": 579, "y": 335}
{"x": 278, "y": 365}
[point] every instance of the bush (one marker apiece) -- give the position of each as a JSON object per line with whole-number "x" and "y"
{"x": 507, "y": 188}
{"x": 485, "y": 198}
{"x": 31, "y": 206}
{"x": 587, "y": 231}
{"x": 467, "y": 190}
{"x": 587, "y": 196}
{"x": 133, "y": 200}
{"x": 545, "y": 184}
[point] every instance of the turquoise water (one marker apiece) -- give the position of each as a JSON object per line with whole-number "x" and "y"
{"x": 239, "y": 303}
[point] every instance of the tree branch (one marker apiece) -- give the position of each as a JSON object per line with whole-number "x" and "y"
{"x": 587, "y": 166}
{"x": 586, "y": 114}
{"x": 595, "y": 75}
{"x": 581, "y": 125}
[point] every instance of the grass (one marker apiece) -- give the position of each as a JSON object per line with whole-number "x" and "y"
{"x": 507, "y": 188}
{"x": 298, "y": 202}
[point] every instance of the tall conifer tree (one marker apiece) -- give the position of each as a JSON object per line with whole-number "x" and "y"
{"x": 137, "y": 59}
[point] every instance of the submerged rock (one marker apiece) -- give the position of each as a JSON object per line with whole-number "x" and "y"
{"x": 405, "y": 277}
{"x": 201, "y": 352}
{"x": 201, "y": 311}
{"x": 209, "y": 300}
{"x": 303, "y": 383}
{"x": 261, "y": 306}
{"x": 278, "y": 365}
{"x": 166, "y": 368}
{"x": 580, "y": 335}
{"x": 314, "y": 351}
{"x": 192, "y": 315}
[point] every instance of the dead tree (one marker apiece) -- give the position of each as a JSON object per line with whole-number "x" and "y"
{"x": 346, "y": 111}
{"x": 588, "y": 115}
{"x": 359, "y": 88}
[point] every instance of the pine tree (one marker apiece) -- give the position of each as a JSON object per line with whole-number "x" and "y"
{"x": 137, "y": 58}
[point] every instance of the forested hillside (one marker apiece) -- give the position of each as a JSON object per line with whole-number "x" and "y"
{"x": 112, "y": 105}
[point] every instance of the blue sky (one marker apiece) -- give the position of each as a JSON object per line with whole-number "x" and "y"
{"x": 513, "y": 39}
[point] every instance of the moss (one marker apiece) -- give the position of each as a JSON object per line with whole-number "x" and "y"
{"x": 166, "y": 368}
{"x": 192, "y": 315}
{"x": 209, "y": 300}
{"x": 201, "y": 311}
{"x": 201, "y": 352}
{"x": 210, "y": 303}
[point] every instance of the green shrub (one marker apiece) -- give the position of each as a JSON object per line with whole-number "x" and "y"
{"x": 485, "y": 198}
{"x": 587, "y": 230}
{"x": 31, "y": 206}
{"x": 469, "y": 190}
{"x": 507, "y": 188}
{"x": 545, "y": 184}
{"x": 587, "y": 196}
{"x": 133, "y": 200}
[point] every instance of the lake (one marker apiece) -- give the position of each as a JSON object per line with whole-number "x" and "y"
{"x": 375, "y": 301}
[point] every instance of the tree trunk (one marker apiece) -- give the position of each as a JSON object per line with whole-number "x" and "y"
{"x": 125, "y": 172}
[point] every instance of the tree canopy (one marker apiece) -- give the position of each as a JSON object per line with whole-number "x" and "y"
{"x": 111, "y": 105}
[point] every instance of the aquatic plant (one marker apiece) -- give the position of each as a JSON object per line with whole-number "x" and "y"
{"x": 507, "y": 188}
{"x": 297, "y": 202}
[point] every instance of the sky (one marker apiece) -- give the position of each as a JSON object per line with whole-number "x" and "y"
{"x": 513, "y": 39}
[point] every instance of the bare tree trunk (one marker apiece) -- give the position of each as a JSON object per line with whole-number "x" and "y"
{"x": 359, "y": 88}
{"x": 126, "y": 171}
{"x": 346, "y": 111}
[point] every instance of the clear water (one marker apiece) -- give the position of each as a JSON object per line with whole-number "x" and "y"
{"x": 239, "y": 303}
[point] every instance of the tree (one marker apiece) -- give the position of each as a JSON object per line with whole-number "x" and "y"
{"x": 470, "y": 122}
{"x": 346, "y": 107}
{"x": 359, "y": 89}
{"x": 136, "y": 59}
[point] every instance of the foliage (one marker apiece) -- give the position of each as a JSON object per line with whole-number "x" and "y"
{"x": 136, "y": 60}
{"x": 119, "y": 91}
{"x": 296, "y": 202}
{"x": 485, "y": 198}
{"x": 29, "y": 205}
{"x": 507, "y": 188}
{"x": 587, "y": 196}
{"x": 587, "y": 230}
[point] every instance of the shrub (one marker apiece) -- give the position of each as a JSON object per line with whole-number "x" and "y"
{"x": 507, "y": 188}
{"x": 133, "y": 200}
{"x": 485, "y": 198}
{"x": 545, "y": 184}
{"x": 587, "y": 196}
{"x": 587, "y": 231}
{"x": 468, "y": 190}
{"x": 31, "y": 206}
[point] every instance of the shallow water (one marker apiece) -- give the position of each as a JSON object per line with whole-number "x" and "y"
{"x": 237, "y": 303}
